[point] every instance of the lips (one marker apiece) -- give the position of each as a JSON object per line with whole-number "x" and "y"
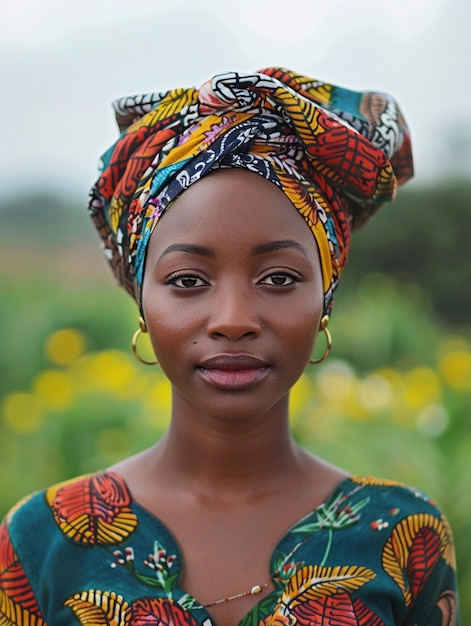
{"x": 233, "y": 362}
{"x": 233, "y": 371}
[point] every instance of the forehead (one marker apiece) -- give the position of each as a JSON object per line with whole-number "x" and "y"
{"x": 231, "y": 206}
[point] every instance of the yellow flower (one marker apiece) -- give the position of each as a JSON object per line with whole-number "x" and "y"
{"x": 300, "y": 395}
{"x": 65, "y": 346}
{"x": 422, "y": 387}
{"x": 455, "y": 368}
{"x": 157, "y": 402}
{"x": 336, "y": 382}
{"x": 110, "y": 371}
{"x": 53, "y": 389}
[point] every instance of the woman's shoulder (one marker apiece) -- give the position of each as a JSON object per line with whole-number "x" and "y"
{"x": 35, "y": 501}
{"x": 398, "y": 515}
{"x": 81, "y": 508}
{"x": 386, "y": 489}
{"x": 393, "y": 497}
{"x": 389, "y": 540}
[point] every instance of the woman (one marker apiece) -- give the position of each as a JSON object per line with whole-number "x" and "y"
{"x": 226, "y": 212}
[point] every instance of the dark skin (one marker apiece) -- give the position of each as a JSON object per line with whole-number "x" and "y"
{"x": 233, "y": 311}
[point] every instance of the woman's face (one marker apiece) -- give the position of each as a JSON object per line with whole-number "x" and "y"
{"x": 232, "y": 296}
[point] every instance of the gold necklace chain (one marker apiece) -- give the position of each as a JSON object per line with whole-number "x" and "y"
{"x": 256, "y": 589}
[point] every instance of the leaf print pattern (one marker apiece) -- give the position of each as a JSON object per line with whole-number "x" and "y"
{"x": 448, "y": 547}
{"x": 18, "y": 605}
{"x": 412, "y": 551}
{"x": 323, "y": 595}
{"x": 108, "y": 609}
{"x": 93, "y": 510}
{"x": 314, "y": 582}
{"x": 336, "y": 609}
{"x": 379, "y": 482}
{"x": 99, "y": 608}
{"x": 316, "y": 127}
{"x": 57, "y": 563}
{"x": 316, "y": 89}
{"x": 157, "y": 611}
{"x": 169, "y": 106}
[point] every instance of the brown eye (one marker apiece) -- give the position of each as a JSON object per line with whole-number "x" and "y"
{"x": 186, "y": 281}
{"x": 279, "y": 280}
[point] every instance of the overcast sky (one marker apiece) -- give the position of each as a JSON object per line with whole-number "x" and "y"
{"x": 63, "y": 61}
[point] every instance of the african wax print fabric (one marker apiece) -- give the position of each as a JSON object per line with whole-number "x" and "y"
{"x": 83, "y": 552}
{"x": 337, "y": 154}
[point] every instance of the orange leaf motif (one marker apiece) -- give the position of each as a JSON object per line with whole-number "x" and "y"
{"x": 7, "y": 554}
{"x": 364, "y": 615}
{"x": 159, "y": 612}
{"x": 93, "y": 510}
{"x": 337, "y": 609}
{"x": 97, "y": 608}
{"x": 314, "y": 582}
{"x": 17, "y": 601}
{"x": 412, "y": 551}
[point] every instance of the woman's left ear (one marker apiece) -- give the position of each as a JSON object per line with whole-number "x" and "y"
{"x": 323, "y": 327}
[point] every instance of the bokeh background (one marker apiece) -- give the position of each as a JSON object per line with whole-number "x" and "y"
{"x": 394, "y": 398}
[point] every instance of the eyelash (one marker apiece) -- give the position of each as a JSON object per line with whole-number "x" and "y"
{"x": 172, "y": 280}
{"x": 293, "y": 278}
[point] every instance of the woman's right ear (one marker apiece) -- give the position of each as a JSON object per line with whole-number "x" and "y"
{"x": 142, "y": 329}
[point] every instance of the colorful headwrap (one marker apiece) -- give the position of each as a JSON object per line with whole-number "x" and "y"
{"x": 336, "y": 154}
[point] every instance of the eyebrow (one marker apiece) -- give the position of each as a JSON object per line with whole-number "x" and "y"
{"x": 263, "y": 248}
{"x": 270, "y": 246}
{"x": 190, "y": 248}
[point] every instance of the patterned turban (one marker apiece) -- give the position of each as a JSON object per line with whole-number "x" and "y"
{"x": 337, "y": 154}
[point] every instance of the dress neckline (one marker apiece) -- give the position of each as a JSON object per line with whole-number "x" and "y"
{"x": 144, "y": 512}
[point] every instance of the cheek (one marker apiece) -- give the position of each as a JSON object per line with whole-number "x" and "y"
{"x": 171, "y": 325}
{"x": 298, "y": 326}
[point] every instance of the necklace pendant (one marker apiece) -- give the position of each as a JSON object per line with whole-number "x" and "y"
{"x": 255, "y": 589}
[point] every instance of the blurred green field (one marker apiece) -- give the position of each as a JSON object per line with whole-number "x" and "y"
{"x": 393, "y": 399}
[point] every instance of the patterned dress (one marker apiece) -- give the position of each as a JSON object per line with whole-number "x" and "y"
{"x": 83, "y": 552}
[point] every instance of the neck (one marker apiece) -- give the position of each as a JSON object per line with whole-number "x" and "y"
{"x": 211, "y": 456}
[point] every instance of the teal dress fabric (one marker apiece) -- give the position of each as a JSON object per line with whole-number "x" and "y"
{"x": 83, "y": 552}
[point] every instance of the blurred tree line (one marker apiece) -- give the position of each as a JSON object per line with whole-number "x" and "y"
{"x": 423, "y": 236}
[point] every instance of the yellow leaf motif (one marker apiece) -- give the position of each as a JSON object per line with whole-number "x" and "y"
{"x": 173, "y": 102}
{"x": 304, "y": 114}
{"x": 448, "y": 551}
{"x": 13, "y": 614}
{"x": 313, "y": 582}
{"x": 415, "y": 544}
{"x": 97, "y": 608}
{"x": 372, "y": 480}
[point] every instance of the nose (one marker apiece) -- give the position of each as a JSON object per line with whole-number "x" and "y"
{"x": 234, "y": 315}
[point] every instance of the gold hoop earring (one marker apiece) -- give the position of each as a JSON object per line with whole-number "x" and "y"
{"x": 328, "y": 336}
{"x": 142, "y": 329}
